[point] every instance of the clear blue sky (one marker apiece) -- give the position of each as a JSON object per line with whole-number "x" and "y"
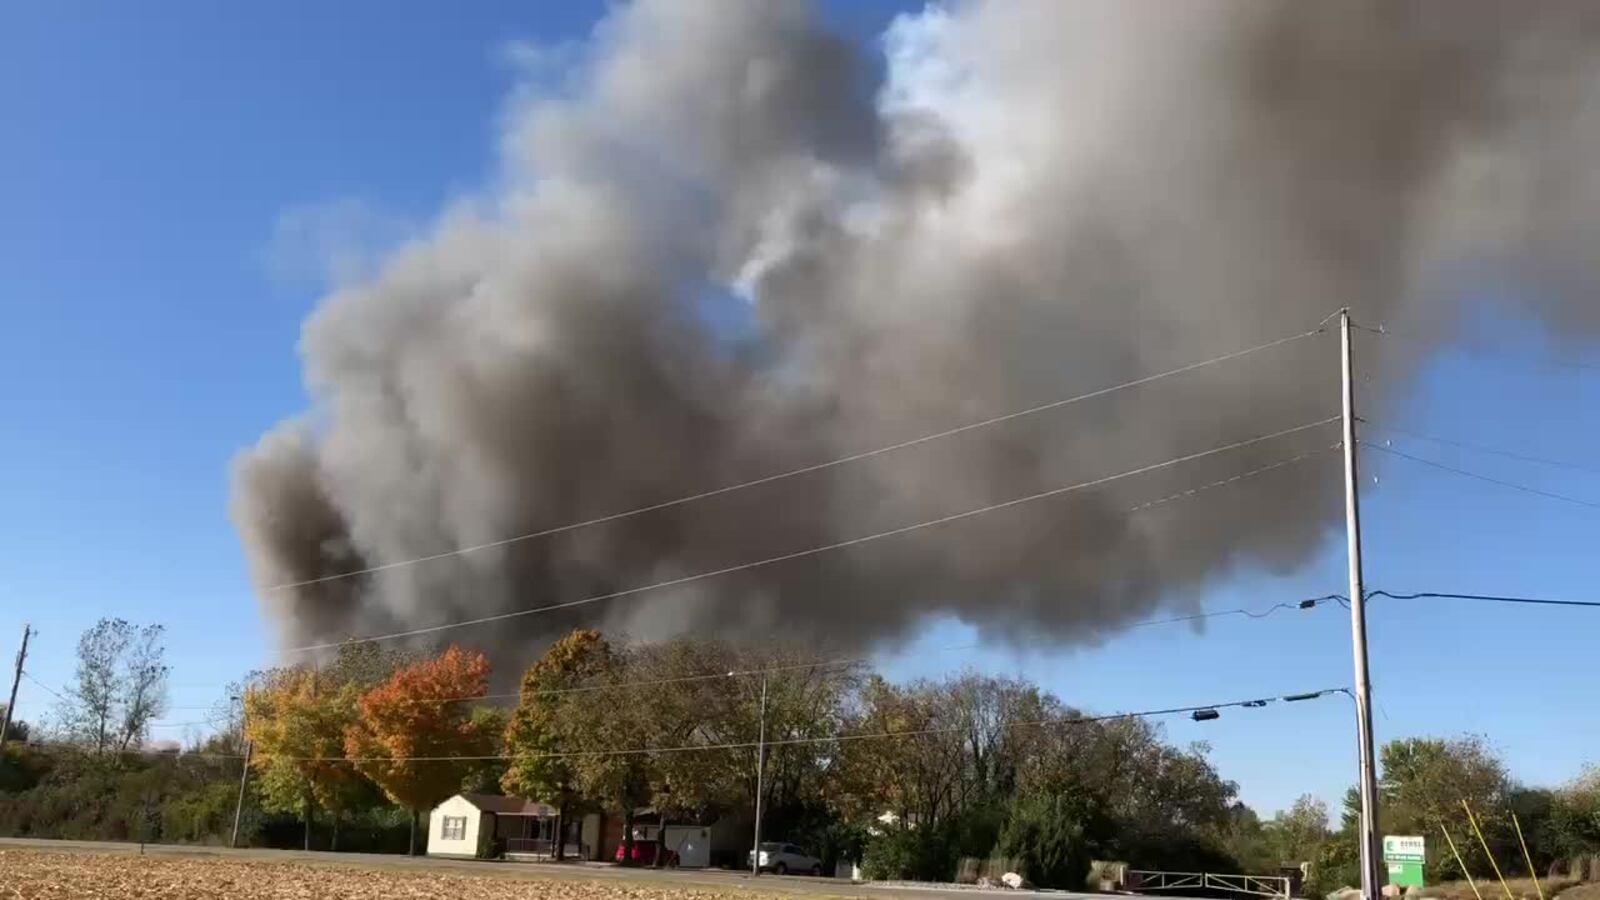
{"x": 155, "y": 161}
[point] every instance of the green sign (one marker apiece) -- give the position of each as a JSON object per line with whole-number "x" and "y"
{"x": 1404, "y": 856}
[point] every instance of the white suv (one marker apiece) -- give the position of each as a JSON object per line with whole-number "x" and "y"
{"x": 782, "y": 859}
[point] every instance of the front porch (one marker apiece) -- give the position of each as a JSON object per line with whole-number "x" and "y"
{"x": 531, "y": 836}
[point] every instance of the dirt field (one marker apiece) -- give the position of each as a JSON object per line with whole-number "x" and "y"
{"x": 1521, "y": 888}
{"x": 41, "y": 874}
{"x": 1590, "y": 891}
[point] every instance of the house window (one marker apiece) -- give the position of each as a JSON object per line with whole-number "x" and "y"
{"x": 455, "y": 828}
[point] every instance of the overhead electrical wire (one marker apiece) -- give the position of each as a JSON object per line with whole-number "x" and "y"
{"x": 1488, "y": 598}
{"x": 64, "y": 699}
{"x": 825, "y": 548}
{"x": 1481, "y": 448}
{"x": 47, "y": 688}
{"x": 1436, "y": 342}
{"x": 844, "y": 662}
{"x": 781, "y": 742}
{"x": 816, "y": 467}
{"x": 1222, "y": 482}
{"x": 862, "y": 660}
{"x": 1527, "y": 489}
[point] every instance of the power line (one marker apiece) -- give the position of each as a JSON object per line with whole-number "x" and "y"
{"x": 1484, "y": 448}
{"x": 1183, "y": 495}
{"x": 825, "y": 739}
{"x": 64, "y": 699}
{"x": 844, "y": 662}
{"x": 816, "y": 467}
{"x": 47, "y": 688}
{"x": 1480, "y": 477}
{"x": 813, "y": 551}
{"x": 1489, "y": 598}
{"x": 1436, "y": 343}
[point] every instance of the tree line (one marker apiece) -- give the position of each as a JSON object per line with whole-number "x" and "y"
{"x": 915, "y": 780}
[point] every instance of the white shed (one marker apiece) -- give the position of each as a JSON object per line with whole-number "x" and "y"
{"x": 454, "y": 826}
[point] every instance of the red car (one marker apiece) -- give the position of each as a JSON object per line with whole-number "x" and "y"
{"x": 644, "y": 854}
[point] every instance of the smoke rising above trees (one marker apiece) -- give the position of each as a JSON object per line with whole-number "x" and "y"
{"x": 1034, "y": 200}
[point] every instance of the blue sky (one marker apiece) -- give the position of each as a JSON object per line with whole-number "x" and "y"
{"x": 166, "y": 172}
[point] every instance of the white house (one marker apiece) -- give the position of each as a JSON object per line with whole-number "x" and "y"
{"x": 470, "y": 825}
{"x": 454, "y": 826}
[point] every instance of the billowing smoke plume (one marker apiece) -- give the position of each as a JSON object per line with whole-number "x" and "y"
{"x": 1035, "y": 200}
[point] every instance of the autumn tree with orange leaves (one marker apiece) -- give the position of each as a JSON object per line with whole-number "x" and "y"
{"x": 411, "y": 730}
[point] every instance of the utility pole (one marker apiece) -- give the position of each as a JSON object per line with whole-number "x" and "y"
{"x": 244, "y": 773}
{"x": 1371, "y": 882}
{"x": 761, "y": 762}
{"x": 16, "y": 678}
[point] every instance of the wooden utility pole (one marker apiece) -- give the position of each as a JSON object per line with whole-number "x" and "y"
{"x": 244, "y": 771}
{"x": 761, "y": 764}
{"x": 16, "y": 678}
{"x": 1371, "y": 882}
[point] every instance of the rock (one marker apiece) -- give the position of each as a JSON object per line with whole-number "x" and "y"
{"x": 1012, "y": 880}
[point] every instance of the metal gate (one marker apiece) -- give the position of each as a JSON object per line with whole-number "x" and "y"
{"x": 1259, "y": 885}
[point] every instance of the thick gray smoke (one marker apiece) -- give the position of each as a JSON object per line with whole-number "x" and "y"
{"x": 1038, "y": 199}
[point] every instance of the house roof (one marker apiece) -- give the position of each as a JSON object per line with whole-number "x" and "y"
{"x": 509, "y": 806}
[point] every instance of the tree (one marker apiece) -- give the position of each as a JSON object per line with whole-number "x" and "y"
{"x": 483, "y": 776}
{"x": 120, "y": 686}
{"x": 806, "y": 701}
{"x": 1298, "y": 833}
{"x": 1424, "y": 782}
{"x": 19, "y": 729}
{"x": 1574, "y": 822}
{"x": 414, "y": 729}
{"x": 1055, "y": 834}
{"x": 592, "y": 734}
{"x": 538, "y": 730}
{"x": 296, "y": 719}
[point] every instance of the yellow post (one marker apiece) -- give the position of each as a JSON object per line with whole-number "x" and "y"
{"x": 1532, "y": 873}
{"x": 1485, "y": 844}
{"x": 1460, "y": 862}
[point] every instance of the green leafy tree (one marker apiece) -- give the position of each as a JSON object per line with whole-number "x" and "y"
{"x": 1424, "y": 783}
{"x": 19, "y": 729}
{"x": 1297, "y": 834}
{"x": 607, "y": 741}
{"x": 1574, "y": 821}
{"x": 1055, "y": 834}
{"x": 540, "y": 727}
{"x": 118, "y": 688}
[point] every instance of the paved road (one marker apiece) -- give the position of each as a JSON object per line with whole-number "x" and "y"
{"x": 792, "y": 885}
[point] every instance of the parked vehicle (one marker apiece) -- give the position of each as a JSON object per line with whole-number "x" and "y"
{"x": 644, "y": 854}
{"x": 782, "y": 859}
